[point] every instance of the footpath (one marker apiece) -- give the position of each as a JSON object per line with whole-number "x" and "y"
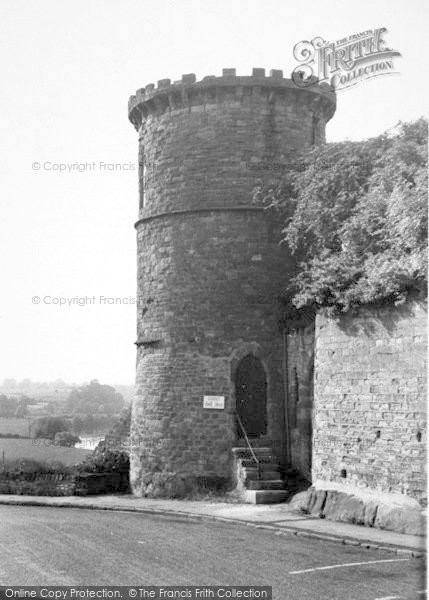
{"x": 282, "y": 519}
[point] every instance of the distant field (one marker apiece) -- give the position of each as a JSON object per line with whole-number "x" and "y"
{"x": 20, "y": 426}
{"x": 43, "y": 451}
{"x": 17, "y": 426}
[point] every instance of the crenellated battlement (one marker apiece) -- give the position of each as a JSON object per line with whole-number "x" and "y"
{"x": 188, "y": 92}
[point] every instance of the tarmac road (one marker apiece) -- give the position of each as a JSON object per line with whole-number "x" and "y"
{"x": 61, "y": 546}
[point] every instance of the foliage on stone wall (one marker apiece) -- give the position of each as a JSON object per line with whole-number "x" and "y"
{"x": 356, "y": 218}
{"x": 104, "y": 471}
{"x": 110, "y": 458}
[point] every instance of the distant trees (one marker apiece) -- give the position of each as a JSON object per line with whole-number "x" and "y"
{"x": 9, "y": 383}
{"x": 94, "y": 398}
{"x": 88, "y": 409}
{"x": 88, "y": 424}
{"x": 77, "y": 425}
{"x": 51, "y": 408}
{"x": 21, "y": 411}
{"x": 8, "y": 406}
{"x": 48, "y": 427}
{"x": 91, "y": 423}
{"x": 14, "y": 407}
{"x": 84, "y": 424}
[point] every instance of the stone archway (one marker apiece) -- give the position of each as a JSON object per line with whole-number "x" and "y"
{"x": 251, "y": 396}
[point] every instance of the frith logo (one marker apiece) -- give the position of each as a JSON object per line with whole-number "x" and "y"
{"x": 344, "y": 63}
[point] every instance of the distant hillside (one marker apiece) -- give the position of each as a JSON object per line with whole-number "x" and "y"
{"x": 54, "y": 391}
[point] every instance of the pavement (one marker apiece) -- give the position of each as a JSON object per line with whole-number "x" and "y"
{"x": 280, "y": 518}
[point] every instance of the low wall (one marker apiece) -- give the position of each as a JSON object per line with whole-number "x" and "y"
{"x": 59, "y": 484}
{"x": 395, "y": 512}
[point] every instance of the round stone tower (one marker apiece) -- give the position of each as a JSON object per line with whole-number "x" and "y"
{"x": 211, "y": 270}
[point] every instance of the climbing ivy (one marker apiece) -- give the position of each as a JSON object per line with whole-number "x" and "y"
{"x": 355, "y": 216}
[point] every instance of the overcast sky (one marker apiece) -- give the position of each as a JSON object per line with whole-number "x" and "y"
{"x": 68, "y": 68}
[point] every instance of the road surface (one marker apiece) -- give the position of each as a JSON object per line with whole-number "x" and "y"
{"x": 63, "y": 546}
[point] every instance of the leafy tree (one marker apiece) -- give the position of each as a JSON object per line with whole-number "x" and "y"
{"x": 51, "y": 408}
{"x": 48, "y": 427}
{"x": 77, "y": 425}
{"x": 356, "y": 220}
{"x": 21, "y": 411}
{"x": 8, "y": 406}
{"x": 88, "y": 399}
{"x": 73, "y": 400}
{"x": 21, "y": 407}
{"x": 88, "y": 424}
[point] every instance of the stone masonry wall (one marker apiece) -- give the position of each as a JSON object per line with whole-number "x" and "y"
{"x": 208, "y": 298}
{"x": 369, "y": 429}
{"x": 206, "y": 143}
{"x": 300, "y": 397}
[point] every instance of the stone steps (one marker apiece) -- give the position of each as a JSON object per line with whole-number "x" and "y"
{"x": 265, "y": 484}
{"x": 254, "y": 474}
{"x": 265, "y": 496}
{"x": 255, "y": 443}
{"x": 264, "y": 462}
{"x": 263, "y": 452}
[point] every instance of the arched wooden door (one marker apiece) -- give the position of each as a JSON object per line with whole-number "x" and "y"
{"x": 251, "y": 396}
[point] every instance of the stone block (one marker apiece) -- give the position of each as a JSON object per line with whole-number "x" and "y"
{"x": 265, "y": 496}
{"x": 343, "y": 507}
{"x": 370, "y": 512}
{"x": 319, "y": 502}
{"x": 189, "y": 78}
{"x": 311, "y": 499}
{"x": 300, "y": 501}
{"x": 402, "y": 519}
{"x": 164, "y": 83}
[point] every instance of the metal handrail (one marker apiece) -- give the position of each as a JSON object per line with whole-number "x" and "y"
{"x": 258, "y": 464}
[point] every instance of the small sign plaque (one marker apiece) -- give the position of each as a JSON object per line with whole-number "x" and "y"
{"x": 214, "y": 402}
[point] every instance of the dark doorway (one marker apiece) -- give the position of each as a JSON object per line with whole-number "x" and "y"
{"x": 251, "y": 395}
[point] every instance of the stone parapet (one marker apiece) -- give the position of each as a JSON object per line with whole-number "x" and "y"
{"x": 188, "y": 92}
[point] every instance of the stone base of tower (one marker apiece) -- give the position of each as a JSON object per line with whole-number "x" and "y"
{"x": 177, "y": 445}
{"x": 152, "y": 477}
{"x": 174, "y": 485}
{"x": 185, "y": 417}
